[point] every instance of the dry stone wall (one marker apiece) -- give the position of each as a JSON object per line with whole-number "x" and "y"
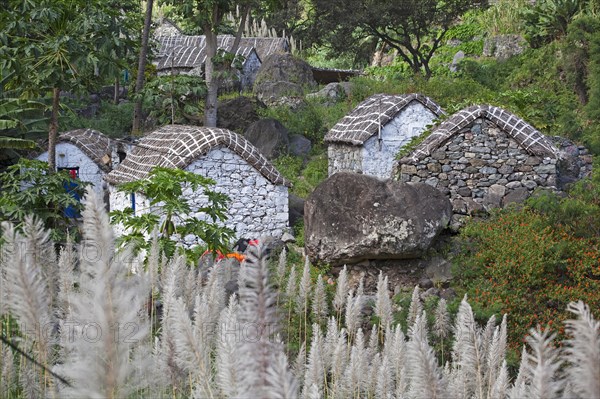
{"x": 257, "y": 208}
{"x": 482, "y": 167}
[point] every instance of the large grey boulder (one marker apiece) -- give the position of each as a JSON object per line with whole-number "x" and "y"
{"x": 282, "y": 75}
{"x": 269, "y": 136}
{"x": 351, "y": 217}
{"x": 238, "y": 114}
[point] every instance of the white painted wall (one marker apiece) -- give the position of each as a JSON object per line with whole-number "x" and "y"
{"x": 378, "y": 160}
{"x": 257, "y": 207}
{"x": 70, "y": 156}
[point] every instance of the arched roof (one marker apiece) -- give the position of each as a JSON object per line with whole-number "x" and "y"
{"x": 523, "y": 133}
{"x": 364, "y": 121}
{"x": 92, "y": 143}
{"x": 177, "y": 146}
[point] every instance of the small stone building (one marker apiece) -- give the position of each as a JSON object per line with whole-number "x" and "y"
{"x": 186, "y": 54}
{"x": 258, "y": 192}
{"x": 368, "y": 139}
{"x": 87, "y": 153}
{"x": 485, "y": 157}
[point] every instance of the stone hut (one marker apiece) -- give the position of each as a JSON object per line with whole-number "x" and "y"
{"x": 187, "y": 55}
{"x": 368, "y": 139}
{"x": 258, "y": 192}
{"x": 485, "y": 157}
{"x": 87, "y": 153}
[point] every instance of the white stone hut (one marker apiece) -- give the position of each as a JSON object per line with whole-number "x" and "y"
{"x": 484, "y": 157}
{"x": 258, "y": 192}
{"x": 368, "y": 139}
{"x": 87, "y": 152}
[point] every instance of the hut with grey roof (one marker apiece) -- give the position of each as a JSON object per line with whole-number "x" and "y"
{"x": 258, "y": 192}
{"x": 182, "y": 54}
{"x": 85, "y": 153}
{"x": 484, "y": 157}
{"x": 368, "y": 139}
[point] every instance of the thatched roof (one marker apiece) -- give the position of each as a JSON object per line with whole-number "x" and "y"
{"x": 92, "y": 143}
{"x": 181, "y": 51}
{"x": 364, "y": 121}
{"x": 523, "y": 133}
{"x": 177, "y": 146}
{"x": 190, "y": 51}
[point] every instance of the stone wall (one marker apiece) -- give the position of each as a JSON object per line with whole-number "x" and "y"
{"x": 375, "y": 158}
{"x": 481, "y": 167}
{"x": 249, "y": 71}
{"x": 70, "y": 156}
{"x": 257, "y": 207}
{"x": 343, "y": 157}
{"x": 378, "y": 160}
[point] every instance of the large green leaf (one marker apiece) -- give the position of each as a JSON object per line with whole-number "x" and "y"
{"x": 15, "y": 143}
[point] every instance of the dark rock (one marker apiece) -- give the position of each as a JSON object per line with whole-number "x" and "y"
{"x": 425, "y": 283}
{"x": 269, "y": 136}
{"x": 299, "y": 145}
{"x": 272, "y": 93}
{"x": 238, "y": 114}
{"x": 448, "y": 294}
{"x": 282, "y": 75}
{"x": 516, "y": 195}
{"x": 295, "y": 208}
{"x": 503, "y": 47}
{"x": 333, "y": 93}
{"x": 350, "y": 217}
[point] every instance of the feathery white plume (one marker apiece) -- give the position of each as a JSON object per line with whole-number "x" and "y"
{"x": 583, "y": 351}
{"x": 315, "y": 369}
{"x": 383, "y": 304}
{"x": 426, "y": 380}
{"x": 319, "y": 302}
{"x": 353, "y": 313}
{"x": 260, "y": 352}
{"x": 416, "y": 307}
{"x": 543, "y": 365}
{"x": 341, "y": 291}
{"x": 304, "y": 288}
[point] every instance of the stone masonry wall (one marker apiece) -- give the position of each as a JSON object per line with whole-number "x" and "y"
{"x": 257, "y": 207}
{"x": 410, "y": 122}
{"x": 70, "y": 156}
{"x": 481, "y": 167}
{"x": 343, "y": 157}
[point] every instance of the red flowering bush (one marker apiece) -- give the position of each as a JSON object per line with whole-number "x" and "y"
{"x": 518, "y": 262}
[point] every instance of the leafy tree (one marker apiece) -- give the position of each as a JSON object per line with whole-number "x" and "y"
{"x": 415, "y": 29}
{"x": 167, "y": 189}
{"x": 51, "y": 46}
{"x": 28, "y": 189}
{"x": 547, "y": 20}
{"x": 143, "y": 57}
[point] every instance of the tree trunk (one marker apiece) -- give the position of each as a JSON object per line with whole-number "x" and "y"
{"x": 212, "y": 82}
{"x": 53, "y": 129}
{"x": 238, "y": 35}
{"x": 139, "y": 81}
{"x": 116, "y": 93}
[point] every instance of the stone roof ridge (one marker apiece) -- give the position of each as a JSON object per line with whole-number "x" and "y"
{"x": 177, "y": 146}
{"x": 526, "y": 135}
{"x": 92, "y": 143}
{"x": 363, "y": 121}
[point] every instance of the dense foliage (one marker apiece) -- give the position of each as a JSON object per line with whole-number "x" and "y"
{"x": 29, "y": 189}
{"x": 169, "y": 195}
{"x": 531, "y": 262}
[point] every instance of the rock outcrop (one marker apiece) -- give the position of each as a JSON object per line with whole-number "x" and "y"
{"x": 351, "y": 217}
{"x": 282, "y": 75}
{"x": 269, "y": 136}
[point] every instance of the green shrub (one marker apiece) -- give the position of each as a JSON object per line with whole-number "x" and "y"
{"x": 112, "y": 120}
{"x": 519, "y": 263}
{"x": 306, "y": 120}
